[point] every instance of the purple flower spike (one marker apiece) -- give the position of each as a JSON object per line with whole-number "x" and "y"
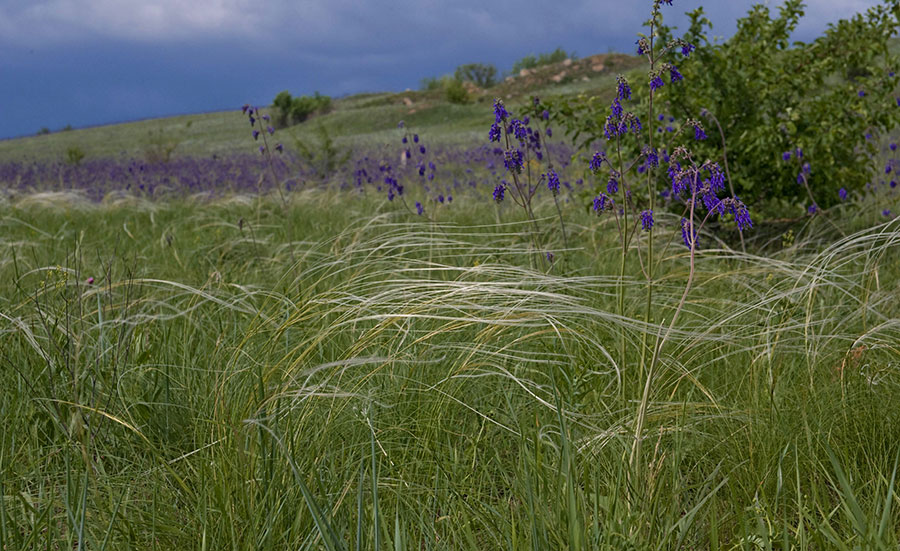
{"x": 647, "y": 220}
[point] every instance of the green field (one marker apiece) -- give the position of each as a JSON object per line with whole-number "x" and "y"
{"x": 329, "y": 370}
{"x": 338, "y": 374}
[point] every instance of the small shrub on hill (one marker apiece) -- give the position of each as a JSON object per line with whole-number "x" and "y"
{"x": 294, "y": 110}
{"x": 531, "y": 61}
{"x": 481, "y": 74}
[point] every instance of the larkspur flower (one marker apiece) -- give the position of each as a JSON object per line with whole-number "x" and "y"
{"x": 603, "y": 202}
{"x": 886, "y": 213}
{"x": 646, "y": 220}
{"x": 494, "y": 133}
{"x": 893, "y": 147}
{"x": 400, "y": 124}
{"x": 643, "y": 46}
{"x": 549, "y": 133}
{"x": 623, "y": 90}
{"x": 545, "y": 115}
{"x": 652, "y": 156}
{"x": 256, "y": 134}
{"x": 517, "y": 128}
{"x": 612, "y": 185}
{"x": 500, "y": 111}
{"x": 244, "y": 108}
{"x": 699, "y": 134}
{"x": 786, "y": 156}
{"x": 271, "y": 130}
{"x": 422, "y": 149}
{"x": 262, "y": 149}
{"x": 656, "y": 82}
{"x": 861, "y": 93}
{"x": 404, "y": 140}
{"x": 686, "y": 49}
{"x": 266, "y": 118}
{"x": 499, "y": 190}
{"x": 553, "y": 181}
{"x": 842, "y": 193}
{"x": 812, "y": 208}
{"x": 415, "y": 138}
{"x": 888, "y": 168}
{"x": 419, "y": 208}
{"x": 673, "y": 72}
{"x": 279, "y": 148}
{"x": 512, "y": 160}
{"x": 597, "y": 161}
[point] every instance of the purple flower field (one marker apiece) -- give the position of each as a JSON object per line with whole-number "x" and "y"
{"x": 439, "y": 172}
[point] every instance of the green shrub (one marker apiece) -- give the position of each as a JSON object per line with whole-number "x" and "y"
{"x": 294, "y": 110}
{"x": 455, "y": 92}
{"x": 532, "y": 61}
{"x": 74, "y": 155}
{"x": 481, "y": 74}
{"x": 324, "y": 158}
{"x": 773, "y": 97}
{"x": 430, "y": 83}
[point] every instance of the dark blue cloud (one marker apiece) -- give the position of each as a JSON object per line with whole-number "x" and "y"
{"x": 81, "y": 62}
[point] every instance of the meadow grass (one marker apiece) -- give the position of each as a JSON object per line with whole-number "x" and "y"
{"x": 357, "y": 377}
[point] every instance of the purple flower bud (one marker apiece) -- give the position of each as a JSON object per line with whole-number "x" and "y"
{"x": 842, "y": 193}
{"x": 786, "y": 156}
{"x": 279, "y": 148}
{"x": 262, "y": 149}
{"x": 545, "y": 115}
{"x": 419, "y": 208}
{"x": 415, "y": 138}
{"x": 271, "y": 130}
{"x": 861, "y": 93}
{"x": 256, "y": 134}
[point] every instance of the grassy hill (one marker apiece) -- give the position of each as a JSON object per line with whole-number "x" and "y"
{"x": 363, "y": 119}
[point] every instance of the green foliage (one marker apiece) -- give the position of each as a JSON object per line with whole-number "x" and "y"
{"x": 455, "y": 91}
{"x": 532, "y": 61}
{"x": 428, "y": 84}
{"x": 322, "y": 156}
{"x": 43, "y": 131}
{"x": 294, "y": 110}
{"x": 772, "y": 96}
{"x": 74, "y": 155}
{"x": 481, "y": 74}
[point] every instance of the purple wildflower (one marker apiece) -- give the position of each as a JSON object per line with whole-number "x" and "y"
{"x": 500, "y": 111}
{"x": 498, "y": 192}
{"x": 512, "y": 160}
{"x": 646, "y": 220}
{"x": 673, "y": 72}
{"x": 419, "y": 208}
{"x": 686, "y": 49}
{"x": 786, "y": 156}
{"x": 553, "y": 181}
{"x": 279, "y": 148}
{"x": 271, "y": 130}
{"x": 623, "y": 90}
{"x": 699, "y": 134}
{"x": 597, "y": 161}
{"x": 256, "y": 134}
{"x": 842, "y": 193}
{"x": 494, "y": 133}
{"x": 656, "y": 82}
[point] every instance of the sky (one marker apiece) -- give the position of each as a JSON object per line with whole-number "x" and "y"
{"x": 90, "y": 62}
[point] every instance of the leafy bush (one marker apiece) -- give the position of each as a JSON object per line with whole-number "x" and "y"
{"x": 532, "y": 61}
{"x": 828, "y": 101}
{"x": 74, "y": 155}
{"x": 481, "y": 74}
{"x": 428, "y": 84}
{"x": 455, "y": 91}
{"x": 294, "y": 110}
